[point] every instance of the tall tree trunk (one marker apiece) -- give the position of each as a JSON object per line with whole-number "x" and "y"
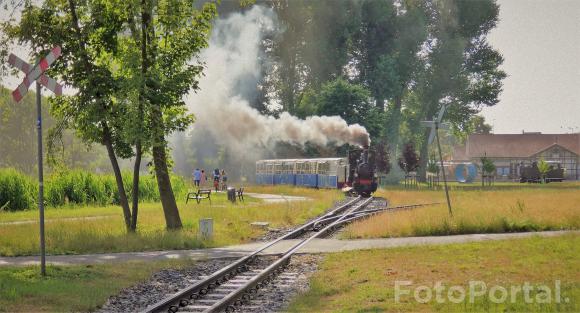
{"x": 423, "y": 157}
{"x": 172, "y": 219}
{"x": 107, "y": 141}
{"x": 394, "y": 126}
{"x": 380, "y": 103}
{"x": 135, "y": 193}
{"x": 107, "y": 138}
{"x": 430, "y": 111}
{"x": 145, "y": 18}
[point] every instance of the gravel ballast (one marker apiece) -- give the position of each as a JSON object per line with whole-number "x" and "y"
{"x": 160, "y": 285}
{"x": 274, "y": 297}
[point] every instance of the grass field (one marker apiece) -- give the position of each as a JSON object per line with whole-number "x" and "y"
{"x": 107, "y": 233}
{"x": 474, "y": 211}
{"x": 71, "y": 288}
{"x": 505, "y": 185}
{"x": 364, "y": 281}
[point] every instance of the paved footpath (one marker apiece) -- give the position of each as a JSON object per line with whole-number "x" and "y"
{"x": 315, "y": 246}
{"x": 275, "y": 198}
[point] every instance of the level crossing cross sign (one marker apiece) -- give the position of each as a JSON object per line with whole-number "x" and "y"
{"x": 36, "y": 74}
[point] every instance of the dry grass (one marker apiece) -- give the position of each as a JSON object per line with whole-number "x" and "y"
{"x": 473, "y": 212}
{"x": 231, "y": 224}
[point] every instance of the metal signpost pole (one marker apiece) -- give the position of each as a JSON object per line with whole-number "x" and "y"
{"x": 36, "y": 74}
{"x": 40, "y": 180}
{"x": 435, "y": 124}
{"x": 442, "y": 168}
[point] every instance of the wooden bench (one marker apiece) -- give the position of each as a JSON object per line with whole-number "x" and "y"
{"x": 199, "y": 195}
{"x": 240, "y": 193}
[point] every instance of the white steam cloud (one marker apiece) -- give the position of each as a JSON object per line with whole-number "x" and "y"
{"x": 232, "y": 71}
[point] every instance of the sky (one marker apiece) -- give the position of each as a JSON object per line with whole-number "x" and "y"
{"x": 540, "y": 41}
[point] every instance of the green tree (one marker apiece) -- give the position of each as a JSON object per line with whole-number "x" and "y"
{"x": 487, "y": 166}
{"x": 172, "y": 34}
{"x": 475, "y": 125}
{"x": 386, "y": 52}
{"x": 287, "y": 51}
{"x": 543, "y": 168}
{"x": 328, "y": 38}
{"x": 130, "y": 62}
{"x": 88, "y": 51}
{"x": 461, "y": 69}
{"x": 350, "y": 101}
{"x": 312, "y": 48}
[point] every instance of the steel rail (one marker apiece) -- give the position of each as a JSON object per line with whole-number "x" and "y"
{"x": 400, "y": 207}
{"x": 238, "y": 295}
{"x": 369, "y": 213}
{"x": 184, "y": 296}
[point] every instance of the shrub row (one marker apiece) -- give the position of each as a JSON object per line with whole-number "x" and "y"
{"x": 17, "y": 191}
{"x": 20, "y": 192}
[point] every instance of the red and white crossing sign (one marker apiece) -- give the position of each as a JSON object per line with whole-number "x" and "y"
{"x": 35, "y": 73}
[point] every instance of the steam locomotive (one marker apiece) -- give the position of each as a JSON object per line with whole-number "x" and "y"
{"x": 363, "y": 172}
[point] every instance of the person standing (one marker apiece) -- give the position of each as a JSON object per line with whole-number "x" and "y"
{"x": 196, "y": 177}
{"x": 216, "y": 179}
{"x": 203, "y": 177}
{"x": 224, "y": 180}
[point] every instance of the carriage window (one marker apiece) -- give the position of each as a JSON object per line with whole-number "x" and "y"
{"x": 323, "y": 168}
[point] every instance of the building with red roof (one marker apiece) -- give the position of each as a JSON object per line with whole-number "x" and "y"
{"x": 510, "y": 151}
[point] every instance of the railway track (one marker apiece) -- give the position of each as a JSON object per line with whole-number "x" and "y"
{"x": 237, "y": 284}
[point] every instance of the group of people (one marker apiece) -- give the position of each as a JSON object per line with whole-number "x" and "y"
{"x": 220, "y": 178}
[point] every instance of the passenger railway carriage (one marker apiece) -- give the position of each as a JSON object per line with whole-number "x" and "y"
{"x": 318, "y": 173}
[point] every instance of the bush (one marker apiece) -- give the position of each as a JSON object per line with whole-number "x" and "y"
{"x": 79, "y": 187}
{"x": 17, "y": 191}
{"x": 148, "y": 191}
